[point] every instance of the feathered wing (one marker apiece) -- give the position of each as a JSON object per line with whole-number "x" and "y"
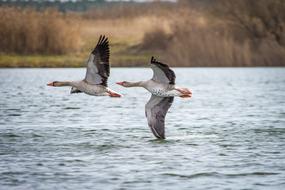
{"x": 98, "y": 67}
{"x": 156, "y": 110}
{"x": 161, "y": 72}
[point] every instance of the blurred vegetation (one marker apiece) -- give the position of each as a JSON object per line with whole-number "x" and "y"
{"x": 25, "y": 31}
{"x": 187, "y": 33}
{"x": 227, "y": 33}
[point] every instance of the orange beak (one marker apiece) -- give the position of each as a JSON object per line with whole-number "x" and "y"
{"x": 50, "y": 84}
{"x": 120, "y": 83}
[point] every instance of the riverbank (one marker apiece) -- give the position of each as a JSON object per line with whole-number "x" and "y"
{"x": 179, "y": 34}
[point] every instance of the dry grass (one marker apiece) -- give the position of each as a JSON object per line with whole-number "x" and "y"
{"x": 125, "y": 36}
{"x": 53, "y": 39}
{"x": 245, "y": 36}
{"x": 220, "y": 35}
{"x": 130, "y": 10}
{"x": 26, "y": 31}
{"x": 201, "y": 42}
{"x": 122, "y": 29}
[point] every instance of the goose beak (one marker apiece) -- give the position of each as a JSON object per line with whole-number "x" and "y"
{"x": 120, "y": 83}
{"x": 50, "y": 84}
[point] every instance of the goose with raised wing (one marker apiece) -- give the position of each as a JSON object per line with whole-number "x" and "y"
{"x": 98, "y": 71}
{"x": 163, "y": 89}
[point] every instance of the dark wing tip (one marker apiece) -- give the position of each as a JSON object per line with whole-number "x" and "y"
{"x": 102, "y": 50}
{"x": 166, "y": 69}
{"x": 103, "y": 43}
{"x": 155, "y": 62}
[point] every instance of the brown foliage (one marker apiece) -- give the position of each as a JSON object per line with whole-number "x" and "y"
{"x": 130, "y": 10}
{"x": 232, "y": 33}
{"x": 26, "y": 31}
{"x": 199, "y": 46}
{"x": 189, "y": 33}
{"x": 156, "y": 39}
{"x": 262, "y": 19}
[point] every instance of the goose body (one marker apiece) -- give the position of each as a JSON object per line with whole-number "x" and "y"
{"x": 93, "y": 90}
{"x": 97, "y": 73}
{"x": 163, "y": 90}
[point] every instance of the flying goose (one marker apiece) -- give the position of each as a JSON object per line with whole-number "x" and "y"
{"x": 98, "y": 71}
{"x": 163, "y": 90}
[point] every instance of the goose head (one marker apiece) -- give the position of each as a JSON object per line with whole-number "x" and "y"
{"x": 125, "y": 84}
{"x": 58, "y": 84}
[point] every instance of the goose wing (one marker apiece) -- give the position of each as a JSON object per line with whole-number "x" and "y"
{"x": 162, "y": 73}
{"x": 155, "y": 110}
{"x": 98, "y": 67}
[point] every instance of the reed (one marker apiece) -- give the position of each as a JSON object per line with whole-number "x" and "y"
{"x": 26, "y": 31}
{"x": 229, "y": 34}
{"x": 130, "y": 10}
{"x": 188, "y": 33}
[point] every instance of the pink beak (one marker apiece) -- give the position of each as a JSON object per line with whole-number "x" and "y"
{"x": 50, "y": 84}
{"x": 120, "y": 83}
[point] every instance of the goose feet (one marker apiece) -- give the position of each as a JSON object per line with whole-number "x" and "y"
{"x": 114, "y": 94}
{"x": 185, "y": 93}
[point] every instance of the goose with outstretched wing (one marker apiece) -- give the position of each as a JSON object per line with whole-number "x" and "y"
{"x": 98, "y": 71}
{"x": 163, "y": 89}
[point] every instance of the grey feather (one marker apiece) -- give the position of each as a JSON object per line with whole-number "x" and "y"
{"x": 156, "y": 110}
{"x": 161, "y": 72}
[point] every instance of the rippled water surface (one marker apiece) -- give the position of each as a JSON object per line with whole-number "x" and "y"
{"x": 230, "y": 135}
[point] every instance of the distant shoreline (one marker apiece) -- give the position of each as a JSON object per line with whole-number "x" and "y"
{"x": 139, "y": 66}
{"x": 180, "y": 34}
{"x": 78, "y": 61}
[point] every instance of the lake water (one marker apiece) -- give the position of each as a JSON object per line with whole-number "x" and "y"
{"x": 230, "y": 135}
